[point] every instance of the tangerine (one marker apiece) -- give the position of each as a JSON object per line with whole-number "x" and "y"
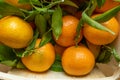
{"x": 15, "y": 32}
{"x": 67, "y": 37}
{"x": 100, "y": 37}
{"x": 78, "y": 61}
{"x": 41, "y": 59}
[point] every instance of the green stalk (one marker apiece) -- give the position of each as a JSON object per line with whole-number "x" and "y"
{"x": 91, "y": 7}
{"x": 43, "y": 9}
{"x": 89, "y": 10}
{"x": 53, "y": 4}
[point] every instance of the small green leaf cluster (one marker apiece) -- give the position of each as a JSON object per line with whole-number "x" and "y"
{"x": 106, "y": 52}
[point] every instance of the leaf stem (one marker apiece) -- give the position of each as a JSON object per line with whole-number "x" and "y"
{"x": 53, "y": 4}
{"x": 91, "y": 7}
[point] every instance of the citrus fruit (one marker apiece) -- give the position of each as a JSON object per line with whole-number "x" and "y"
{"x": 15, "y": 32}
{"x": 19, "y": 5}
{"x": 67, "y": 37}
{"x": 41, "y": 59}
{"x": 78, "y": 61}
{"x": 100, "y": 37}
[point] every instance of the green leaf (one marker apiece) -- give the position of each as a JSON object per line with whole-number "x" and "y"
{"x": 57, "y": 66}
{"x": 100, "y": 3}
{"x": 101, "y": 56}
{"x": 91, "y": 7}
{"x": 46, "y": 38}
{"x": 117, "y": 0}
{"x": 24, "y": 52}
{"x": 89, "y": 10}
{"x": 104, "y": 55}
{"x": 53, "y": 3}
{"x": 34, "y": 2}
{"x": 57, "y": 22}
{"x": 106, "y": 52}
{"x": 107, "y": 15}
{"x": 31, "y": 15}
{"x": 94, "y": 24}
{"x": 83, "y": 5}
{"x": 6, "y": 53}
{"x": 18, "y": 52}
{"x": 47, "y": 16}
{"x": 7, "y": 56}
{"x": 37, "y": 3}
{"x": 79, "y": 27}
{"x": 58, "y": 57}
{"x": 70, "y": 3}
{"x": 31, "y": 46}
{"x": 20, "y": 65}
{"x": 116, "y": 55}
{"x": 9, "y": 62}
{"x": 41, "y": 24}
{"x": 7, "y": 9}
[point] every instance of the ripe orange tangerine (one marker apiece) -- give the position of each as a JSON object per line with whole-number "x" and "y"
{"x": 67, "y": 37}
{"x": 15, "y": 32}
{"x": 100, "y": 37}
{"x": 41, "y": 59}
{"x": 78, "y": 61}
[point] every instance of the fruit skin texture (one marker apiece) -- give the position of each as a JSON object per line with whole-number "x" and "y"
{"x": 100, "y": 37}
{"x": 109, "y": 4}
{"x": 19, "y": 5}
{"x": 67, "y": 37}
{"x": 78, "y": 61}
{"x": 41, "y": 59}
{"x": 15, "y": 32}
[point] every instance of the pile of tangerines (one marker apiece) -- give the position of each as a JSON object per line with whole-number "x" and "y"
{"x": 76, "y": 60}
